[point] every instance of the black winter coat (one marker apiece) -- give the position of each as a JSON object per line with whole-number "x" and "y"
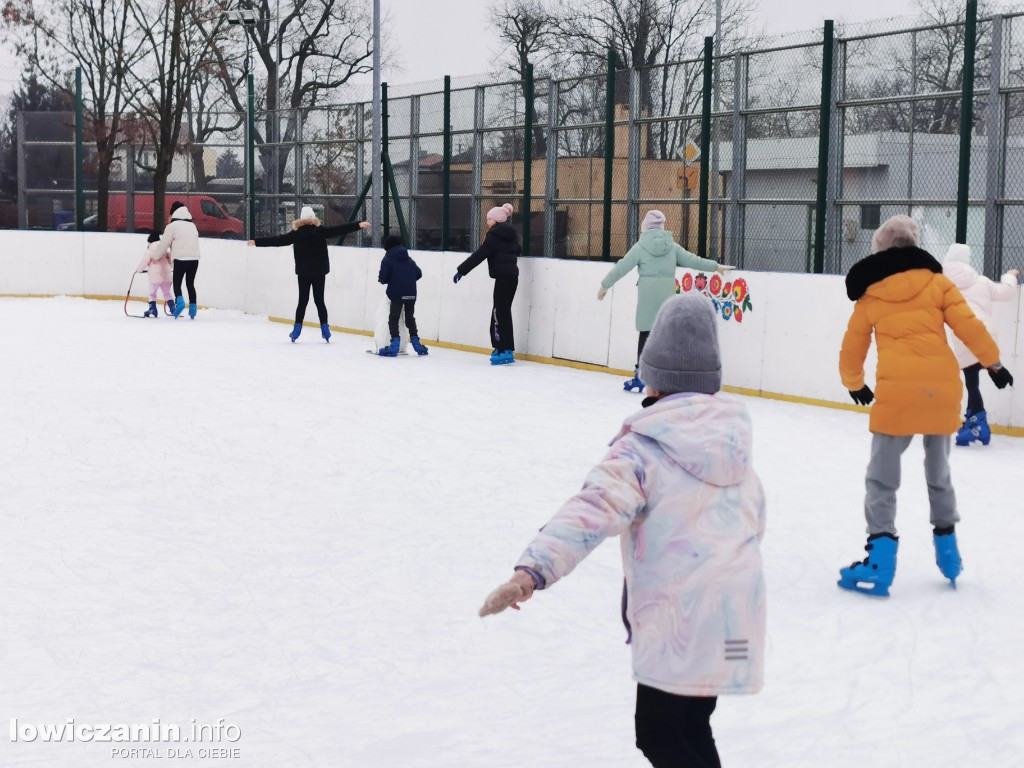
{"x": 500, "y": 248}
{"x": 309, "y": 241}
{"x": 399, "y": 273}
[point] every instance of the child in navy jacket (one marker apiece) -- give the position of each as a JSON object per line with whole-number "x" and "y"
{"x": 399, "y": 273}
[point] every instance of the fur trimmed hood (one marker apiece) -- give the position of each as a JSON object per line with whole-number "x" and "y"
{"x": 884, "y": 264}
{"x": 313, "y": 221}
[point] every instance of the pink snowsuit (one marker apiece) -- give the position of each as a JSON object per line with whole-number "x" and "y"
{"x": 159, "y": 266}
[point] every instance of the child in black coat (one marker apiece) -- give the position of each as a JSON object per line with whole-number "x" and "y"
{"x": 399, "y": 273}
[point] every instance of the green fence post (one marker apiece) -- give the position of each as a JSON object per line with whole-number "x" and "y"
{"x": 389, "y": 175}
{"x": 528, "y": 159}
{"x": 821, "y": 209}
{"x": 609, "y": 158}
{"x": 705, "y": 148}
{"x": 251, "y": 153}
{"x": 966, "y": 121}
{"x": 386, "y": 225}
{"x": 446, "y": 170}
{"x": 79, "y": 152}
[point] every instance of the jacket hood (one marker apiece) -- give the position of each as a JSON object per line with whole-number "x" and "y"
{"x": 709, "y": 436}
{"x": 398, "y": 253}
{"x": 962, "y": 275}
{"x": 503, "y": 231}
{"x": 181, "y": 214}
{"x": 896, "y": 274}
{"x": 313, "y": 221}
{"x": 657, "y": 242}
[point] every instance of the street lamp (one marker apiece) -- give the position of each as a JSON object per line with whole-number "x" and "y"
{"x": 244, "y": 16}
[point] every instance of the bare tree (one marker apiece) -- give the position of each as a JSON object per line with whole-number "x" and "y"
{"x": 175, "y": 55}
{"x": 96, "y": 36}
{"x": 209, "y": 113}
{"x": 311, "y": 50}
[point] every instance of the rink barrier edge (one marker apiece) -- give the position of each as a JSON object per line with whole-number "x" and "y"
{"x": 796, "y": 399}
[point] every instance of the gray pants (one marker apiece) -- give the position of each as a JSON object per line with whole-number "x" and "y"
{"x": 883, "y": 480}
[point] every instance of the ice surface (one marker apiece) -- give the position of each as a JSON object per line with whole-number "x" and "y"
{"x": 203, "y": 520}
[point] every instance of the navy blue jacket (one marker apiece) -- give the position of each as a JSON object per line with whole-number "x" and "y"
{"x": 399, "y": 273}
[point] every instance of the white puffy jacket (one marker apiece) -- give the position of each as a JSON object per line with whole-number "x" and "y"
{"x": 181, "y": 236}
{"x": 979, "y": 292}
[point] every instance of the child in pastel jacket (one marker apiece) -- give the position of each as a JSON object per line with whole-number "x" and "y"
{"x": 678, "y": 486}
{"x": 157, "y": 263}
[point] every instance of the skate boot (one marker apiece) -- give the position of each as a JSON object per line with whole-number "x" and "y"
{"x": 979, "y": 427}
{"x": 873, "y": 575}
{"x": 963, "y": 435}
{"x": 505, "y": 357}
{"x": 170, "y": 306}
{"x": 325, "y": 331}
{"x": 634, "y": 382}
{"x": 179, "y": 306}
{"x": 420, "y": 349}
{"x": 151, "y": 312}
{"x": 391, "y": 350}
{"x": 296, "y": 330}
{"x": 947, "y": 556}
{"x": 192, "y": 311}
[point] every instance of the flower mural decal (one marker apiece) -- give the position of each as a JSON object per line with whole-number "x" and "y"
{"x": 730, "y": 300}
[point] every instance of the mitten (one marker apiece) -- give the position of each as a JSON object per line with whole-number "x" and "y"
{"x": 1000, "y": 377}
{"x": 863, "y": 396}
{"x": 601, "y": 293}
{"x": 458, "y": 276}
{"x": 516, "y": 590}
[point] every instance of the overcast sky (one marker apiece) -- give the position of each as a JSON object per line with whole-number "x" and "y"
{"x": 461, "y": 41}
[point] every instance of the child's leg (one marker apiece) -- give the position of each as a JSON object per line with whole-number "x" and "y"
{"x": 675, "y": 731}
{"x": 882, "y": 482}
{"x": 410, "y": 316}
{"x": 393, "y": 315}
{"x": 975, "y": 403}
{"x": 153, "y": 288}
{"x": 165, "y": 287}
{"x": 941, "y": 496}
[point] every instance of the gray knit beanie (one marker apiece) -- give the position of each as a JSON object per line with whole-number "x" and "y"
{"x": 681, "y": 354}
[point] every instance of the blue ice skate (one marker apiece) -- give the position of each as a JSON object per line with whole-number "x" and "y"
{"x": 634, "y": 382}
{"x": 975, "y": 428}
{"x": 192, "y": 311}
{"x": 296, "y": 330}
{"x": 947, "y": 556}
{"x": 170, "y": 306}
{"x": 179, "y": 306}
{"x": 325, "y": 331}
{"x": 151, "y": 312}
{"x": 420, "y": 349}
{"x": 505, "y": 357}
{"x": 873, "y": 575}
{"x": 391, "y": 350}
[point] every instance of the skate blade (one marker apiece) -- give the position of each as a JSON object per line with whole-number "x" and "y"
{"x": 864, "y": 587}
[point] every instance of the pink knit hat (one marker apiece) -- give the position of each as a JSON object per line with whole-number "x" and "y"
{"x": 500, "y": 214}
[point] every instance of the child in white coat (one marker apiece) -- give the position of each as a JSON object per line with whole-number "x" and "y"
{"x": 979, "y": 292}
{"x": 157, "y": 263}
{"x": 679, "y": 489}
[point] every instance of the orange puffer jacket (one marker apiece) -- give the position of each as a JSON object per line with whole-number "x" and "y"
{"x": 905, "y": 299}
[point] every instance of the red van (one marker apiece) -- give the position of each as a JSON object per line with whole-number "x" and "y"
{"x": 210, "y": 217}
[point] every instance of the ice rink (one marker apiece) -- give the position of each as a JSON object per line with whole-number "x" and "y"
{"x": 201, "y": 520}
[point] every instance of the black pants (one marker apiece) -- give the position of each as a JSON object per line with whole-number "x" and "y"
{"x": 975, "y": 404}
{"x": 410, "y": 317}
{"x": 187, "y": 270}
{"x": 316, "y": 282}
{"x": 502, "y": 334}
{"x": 640, "y": 346}
{"x": 675, "y": 731}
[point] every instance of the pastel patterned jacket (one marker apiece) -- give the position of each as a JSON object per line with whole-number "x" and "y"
{"x": 677, "y": 485}
{"x": 158, "y": 262}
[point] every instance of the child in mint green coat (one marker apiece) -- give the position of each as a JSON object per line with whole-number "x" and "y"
{"x": 655, "y": 256}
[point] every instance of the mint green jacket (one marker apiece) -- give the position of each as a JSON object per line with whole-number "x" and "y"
{"x": 655, "y": 257}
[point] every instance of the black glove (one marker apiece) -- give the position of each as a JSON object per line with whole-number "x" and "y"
{"x": 1000, "y": 377}
{"x": 863, "y": 396}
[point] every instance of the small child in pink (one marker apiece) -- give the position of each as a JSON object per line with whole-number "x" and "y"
{"x": 159, "y": 267}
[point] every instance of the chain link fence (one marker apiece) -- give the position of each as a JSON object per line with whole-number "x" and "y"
{"x": 589, "y": 155}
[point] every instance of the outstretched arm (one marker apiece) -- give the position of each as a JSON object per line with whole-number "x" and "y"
{"x": 967, "y": 327}
{"x": 691, "y": 261}
{"x": 624, "y": 265}
{"x": 343, "y": 229}
{"x": 277, "y": 240}
{"x": 1006, "y": 288}
{"x": 476, "y": 258}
